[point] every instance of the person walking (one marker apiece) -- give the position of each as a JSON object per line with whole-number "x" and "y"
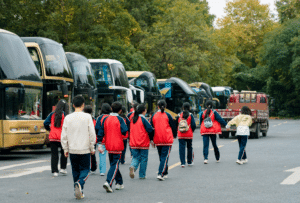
{"x": 164, "y": 134}
{"x": 140, "y": 137}
{"x": 89, "y": 109}
{"x": 105, "y": 111}
{"x": 243, "y": 122}
{"x": 54, "y": 123}
{"x": 186, "y": 126}
{"x": 78, "y": 140}
{"x": 126, "y": 120}
{"x": 210, "y": 126}
{"x": 113, "y": 129}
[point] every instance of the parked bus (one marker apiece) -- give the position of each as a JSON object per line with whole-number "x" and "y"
{"x": 84, "y": 80}
{"x": 147, "y": 81}
{"x": 112, "y": 82}
{"x": 200, "y": 88}
{"x": 223, "y": 94}
{"x": 21, "y": 123}
{"x": 176, "y": 92}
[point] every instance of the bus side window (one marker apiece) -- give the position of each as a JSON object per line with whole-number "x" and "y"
{"x": 35, "y": 57}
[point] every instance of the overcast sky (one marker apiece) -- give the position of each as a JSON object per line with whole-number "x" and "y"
{"x": 217, "y": 6}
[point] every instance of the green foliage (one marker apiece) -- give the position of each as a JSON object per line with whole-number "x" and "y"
{"x": 288, "y": 9}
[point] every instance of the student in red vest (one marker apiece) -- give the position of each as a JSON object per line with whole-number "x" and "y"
{"x": 89, "y": 109}
{"x": 113, "y": 129}
{"x": 164, "y": 133}
{"x": 186, "y": 126}
{"x": 210, "y": 122}
{"x": 54, "y": 123}
{"x": 105, "y": 111}
{"x": 126, "y": 120}
{"x": 140, "y": 137}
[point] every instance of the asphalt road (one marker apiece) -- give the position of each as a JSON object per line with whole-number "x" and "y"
{"x": 25, "y": 176}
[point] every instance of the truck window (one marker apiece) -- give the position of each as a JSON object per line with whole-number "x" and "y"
{"x": 263, "y": 100}
{"x": 253, "y": 98}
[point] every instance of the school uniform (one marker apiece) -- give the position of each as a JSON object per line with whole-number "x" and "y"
{"x": 93, "y": 156}
{"x": 113, "y": 129}
{"x": 140, "y": 137}
{"x": 186, "y": 139}
{"x": 125, "y": 138}
{"x": 211, "y": 132}
{"x": 164, "y": 133}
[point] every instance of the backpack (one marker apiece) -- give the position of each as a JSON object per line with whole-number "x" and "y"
{"x": 183, "y": 125}
{"x": 208, "y": 122}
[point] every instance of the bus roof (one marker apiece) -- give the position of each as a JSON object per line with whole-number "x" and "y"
{"x": 109, "y": 61}
{"x": 186, "y": 88}
{"x": 6, "y": 31}
{"x": 40, "y": 40}
{"x": 134, "y": 74}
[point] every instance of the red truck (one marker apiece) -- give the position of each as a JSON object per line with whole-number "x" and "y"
{"x": 259, "y": 105}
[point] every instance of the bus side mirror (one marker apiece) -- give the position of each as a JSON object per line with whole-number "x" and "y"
{"x": 91, "y": 94}
{"x": 64, "y": 90}
{"x": 21, "y": 94}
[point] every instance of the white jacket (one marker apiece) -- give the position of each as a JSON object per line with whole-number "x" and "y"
{"x": 78, "y": 133}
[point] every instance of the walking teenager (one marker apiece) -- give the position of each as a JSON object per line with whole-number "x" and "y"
{"x": 186, "y": 126}
{"x": 78, "y": 140}
{"x": 89, "y": 109}
{"x": 140, "y": 137}
{"x": 210, "y": 122}
{"x": 164, "y": 133}
{"x": 126, "y": 120}
{"x": 54, "y": 123}
{"x": 105, "y": 111}
{"x": 242, "y": 122}
{"x": 113, "y": 129}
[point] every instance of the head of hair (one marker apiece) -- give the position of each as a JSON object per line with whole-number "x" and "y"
{"x": 105, "y": 108}
{"x": 78, "y": 101}
{"x": 61, "y": 107}
{"x": 88, "y": 109}
{"x": 139, "y": 110}
{"x": 116, "y": 107}
{"x": 185, "y": 114}
{"x": 246, "y": 110}
{"x": 162, "y": 105}
{"x": 186, "y": 106}
{"x": 209, "y": 105}
{"x": 134, "y": 105}
{"x": 123, "y": 113}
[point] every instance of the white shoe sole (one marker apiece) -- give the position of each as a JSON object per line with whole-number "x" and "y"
{"x": 108, "y": 190}
{"x": 77, "y": 191}
{"x": 131, "y": 172}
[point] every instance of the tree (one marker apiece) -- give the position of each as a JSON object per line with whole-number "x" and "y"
{"x": 288, "y": 9}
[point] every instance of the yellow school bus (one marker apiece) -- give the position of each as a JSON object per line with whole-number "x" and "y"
{"x": 21, "y": 87}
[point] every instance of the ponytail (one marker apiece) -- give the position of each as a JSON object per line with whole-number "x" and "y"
{"x": 59, "y": 110}
{"x": 186, "y": 110}
{"x": 139, "y": 110}
{"x": 209, "y": 106}
{"x": 162, "y": 105}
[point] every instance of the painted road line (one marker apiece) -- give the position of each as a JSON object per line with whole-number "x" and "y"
{"x": 23, "y": 164}
{"x": 174, "y": 165}
{"x": 218, "y": 146}
{"x": 234, "y": 141}
{"x": 292, "y": 179}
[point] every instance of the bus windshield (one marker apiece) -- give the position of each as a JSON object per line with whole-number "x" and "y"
{"x": 102, "y": 74}
{"x": 55, "y": 61}
{"x": 27, "y": 108}
{"x": 82, "y": 72}
{"x": 12, "y": 48}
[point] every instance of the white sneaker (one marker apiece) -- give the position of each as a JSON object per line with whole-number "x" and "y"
{"x": 239, "y": 162}
{"x": 55, "y": 174}
{"x": 102, "y": 174}
{"x": 165, "y": 177}
{"x": 119, "y": 187}
{"x": 182, "y": 166}
{"x": 63, "y": 171}
{"x": 159, "y": 177}
{"x": 205, "y": 161}
{"x": 78, "y": 192}
{"x": 131, "y": 172}
{"x": 191, "y": 164}
{"x": 218, "y": 161}
{"x": 107, "y": 187}
{"x": 244, "y": 161}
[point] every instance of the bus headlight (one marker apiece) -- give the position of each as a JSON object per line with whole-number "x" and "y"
{"x": 13, "y": 130}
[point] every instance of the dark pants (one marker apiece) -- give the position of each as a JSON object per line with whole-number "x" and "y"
{"x": 163, "y": 153}
{"x": 190, "y": 156}
{"x": 114, "y": 172}
{"x": 93, "y": 162}
{"x": 242, "y": 144}
{"x": 123, "y": 152}
{"x": 80, "y": 167}
{"x": 213, "y": 139}
{"x": 54, "y": 157}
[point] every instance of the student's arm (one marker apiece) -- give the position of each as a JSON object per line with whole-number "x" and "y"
{"x": 176, "y": 121}
{"x": 200, "y": 118}
{"x": 148, "y": 128}
{"x": 193, "y": 123}
{"x": 100, "y": 133}
{"x": 219, "y": 118}
{"x": 128, "y": 126}
{"x": 98, "y": 124}
{"x": 64, "y": 138}
{"x": 123, "y": 126}
{"x": 232, "y": 121}
{"x": 172, "y": 124}
{"x": 47, "y": 122}
{"x": 92, "y": 134}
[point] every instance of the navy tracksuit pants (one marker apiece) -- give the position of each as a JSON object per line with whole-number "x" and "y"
{"x": 80, "y": 167}
{"x": 163, "y": 153}
{"x": 114, "y": 172}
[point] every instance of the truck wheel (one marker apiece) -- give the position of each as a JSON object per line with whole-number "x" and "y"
{"x": 225, "y": 134}
{"x": 220, "y": 136}
{"x": 257, "y": 131}
{"x": 233, "y": 133}
{"x": 264, "y": 133}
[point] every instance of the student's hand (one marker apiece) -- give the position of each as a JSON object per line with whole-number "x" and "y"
{"x": 93, "y": 153}
{"x": 152, "y": 144}
{"x": 66, "y": 154}
{"x": 227, "y": 126}
{"x": 100, "y": 148}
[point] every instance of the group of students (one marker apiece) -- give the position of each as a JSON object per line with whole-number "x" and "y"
{"x": 80, "y": 133}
